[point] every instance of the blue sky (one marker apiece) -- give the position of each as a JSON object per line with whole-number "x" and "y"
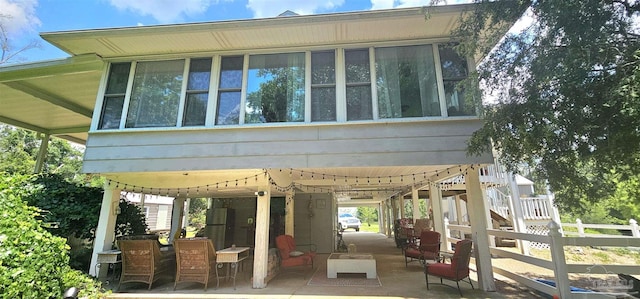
{"x": 23, "y": 20}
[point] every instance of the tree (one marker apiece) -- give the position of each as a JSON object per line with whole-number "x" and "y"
{"x": 367, "y": 214}
{"x": 8, "y": 51}
{"x": 564, "y": 91}
{"x": 19, "y": 151}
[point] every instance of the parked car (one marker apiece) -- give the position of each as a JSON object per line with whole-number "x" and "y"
{"x": 348, "y": 221}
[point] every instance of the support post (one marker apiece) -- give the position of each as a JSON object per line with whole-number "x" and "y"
{"x": 436, "y": 204}
{"x": 176, "y": 219}
{"x": 478, "y": 220}
{"x": 457, "y": 199}
{"x": 415, "y": 201}
{"x": 447, "y": 234}
{"x": 42, "y": 153}
{"x": 635, "y": 232}
{"x": 580, "y": 227}
{"x": 261, "y": 252}
{"x": 105, "y": 232}
{"x": 289, "y": 218}
{"x": 558, "y": 259}
{"x": 517, "y": 217}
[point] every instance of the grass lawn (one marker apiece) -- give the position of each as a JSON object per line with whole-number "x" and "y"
{"x": 369, "y": 228}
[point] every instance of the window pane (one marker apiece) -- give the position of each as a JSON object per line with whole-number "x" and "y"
{"x": 199, "y": 74}
{"x": 118, "y": 77}
{"x": 111, "y": 112}
{"x": 228, "y": 108}
{"x": 453, "y": 66}
{"x": 231, "y": 72}
{"x": 323, "y": 68}
{"x": 323, "y": 104}
{"x": 357, "y": 66}
{"x": 406, "y": 82}
{"x": 156, "y": 94}
{"x": 358, "y": 75}
{"x": 275, "y": 88}
{"x": 195, "y": 110}
{"x": 457, "y": 105}
{"x": 359, "y": 103}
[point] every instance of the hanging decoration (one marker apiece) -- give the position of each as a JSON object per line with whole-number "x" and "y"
{"x": 402, "y": 182}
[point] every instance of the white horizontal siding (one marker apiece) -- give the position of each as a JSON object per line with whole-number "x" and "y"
{"x": 307, "y": 145}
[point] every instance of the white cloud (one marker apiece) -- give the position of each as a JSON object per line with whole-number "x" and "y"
{"x": 165, "y": 11}
{"x": 267, "y": 8}
{"x": 19, "y": 16}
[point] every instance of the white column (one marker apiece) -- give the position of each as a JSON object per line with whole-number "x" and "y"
{"x": 106, "y": 227}
{"x": 515, "y": 205}
{"x": 415, "y": 200}
{"x": 176, "y": 218}
{"x": 400, "y": 205}
{"x": 42, "y": 153}
{"x": 185, "y": 218}
{"x": 435, "y": 195}
{"x": 289, "y": 209}
{"x": 380, "y": 219}
{"x": 261, "y": 251}
{"x": 478, "y": 220}
{"x": 459, "y": 215}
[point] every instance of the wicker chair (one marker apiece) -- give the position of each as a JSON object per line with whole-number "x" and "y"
{"x": 196, "y": 260}
{"x": 142, "y": 261}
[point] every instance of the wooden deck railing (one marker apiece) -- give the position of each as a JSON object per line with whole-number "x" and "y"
{"x": 558, "y": 263}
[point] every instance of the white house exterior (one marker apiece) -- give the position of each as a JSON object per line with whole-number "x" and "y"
{"x": 308, "y": 109}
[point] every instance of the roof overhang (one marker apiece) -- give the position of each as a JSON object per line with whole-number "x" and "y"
{"x": 53, "y": 97}
{"x": 269, "y": 33}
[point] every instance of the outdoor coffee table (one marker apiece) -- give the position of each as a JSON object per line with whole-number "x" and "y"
{"x": 351, "y": 263}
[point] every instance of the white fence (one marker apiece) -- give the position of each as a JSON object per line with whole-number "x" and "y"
{"x": 558, "y": 263}
{"x": 633, "y": 227}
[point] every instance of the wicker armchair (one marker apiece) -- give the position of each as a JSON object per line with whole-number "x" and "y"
{"x": 142, "y": 261}
{"x": 196, "y": 260}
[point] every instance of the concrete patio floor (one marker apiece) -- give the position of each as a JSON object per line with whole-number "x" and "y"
{"x": 397, "y": 281}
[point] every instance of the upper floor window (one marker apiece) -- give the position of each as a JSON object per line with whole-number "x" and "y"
{"x": 156, "y": 94}
{"x": 275, "y": 88}
{"x": 358, "y": 84}
{"x": 229, "y": 91}
{"x": 114, "y": 96}
{"x": 195, "y": 106}
{"x": 454, "y": 70}
{"x": 406, "y": 82}
{"x": 312, "y": 86}
{"x": 323, "y": 86}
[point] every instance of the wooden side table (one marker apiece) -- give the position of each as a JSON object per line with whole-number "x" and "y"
{"x": 231, "y": 256}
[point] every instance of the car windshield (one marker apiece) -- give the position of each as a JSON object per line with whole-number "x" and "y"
{"x": 345, "y": 216}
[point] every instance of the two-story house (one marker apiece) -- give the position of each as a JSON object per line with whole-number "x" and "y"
{"x": 305, "y": 109}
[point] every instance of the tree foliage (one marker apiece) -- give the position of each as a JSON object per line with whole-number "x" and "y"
{"x": 33, "y": 263}
{"x": 19, "y": 151}
{"x": 367, "y": 214}
{"x": 564, "y": 91}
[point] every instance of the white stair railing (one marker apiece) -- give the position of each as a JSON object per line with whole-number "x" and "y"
{"x": 499, "y": 202}
{"x": 536, "y": 208}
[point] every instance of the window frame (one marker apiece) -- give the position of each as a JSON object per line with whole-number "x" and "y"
{"x": 214, "y": 88}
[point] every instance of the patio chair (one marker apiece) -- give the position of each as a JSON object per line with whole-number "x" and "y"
{"x": 196, "y": 261}
{"x": 290, "y": 256}
{"x": 142, "y": 261}
{"x": 457, "y": 270}
{"x": 428, "y": 248}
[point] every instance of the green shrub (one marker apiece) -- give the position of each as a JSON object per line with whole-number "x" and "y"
{"x": 33, "y": 262}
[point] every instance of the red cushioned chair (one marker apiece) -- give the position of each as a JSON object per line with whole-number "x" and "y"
{"x": 457, "y": 270}
{"x": 291, "y": 256}
{"x": 428, "y": 248}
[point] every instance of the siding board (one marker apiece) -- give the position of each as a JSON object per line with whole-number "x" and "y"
{"x": 347, "y": 145}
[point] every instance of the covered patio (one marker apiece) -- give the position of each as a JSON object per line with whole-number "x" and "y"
{"x": 396, "y": 281}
